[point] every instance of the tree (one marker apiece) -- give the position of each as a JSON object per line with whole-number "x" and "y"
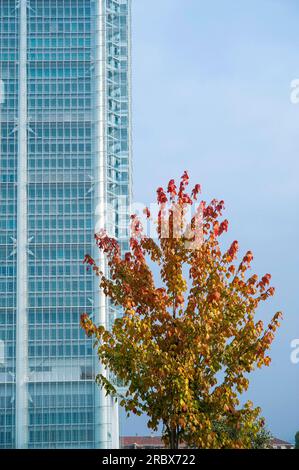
{"x": 259, "y": 440}
{"x": 184, "y": 349}
{"x": 297, "y": 440}
{"x": 262, "y": 440}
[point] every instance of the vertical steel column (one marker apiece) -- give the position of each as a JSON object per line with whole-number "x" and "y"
{"x": 101, "y": 401}
{"x": 22, "y": 236}
{"x": 130, "y": 146}
{"x": 114, "y": 419}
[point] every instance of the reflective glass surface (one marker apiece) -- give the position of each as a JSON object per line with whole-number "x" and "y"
{"x": 60, "y": 149}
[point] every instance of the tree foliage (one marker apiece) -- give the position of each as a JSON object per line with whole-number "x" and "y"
{"x": 297, "y": 440}
{"x": 256, "y": 440}
{"x": 184, "y": 348}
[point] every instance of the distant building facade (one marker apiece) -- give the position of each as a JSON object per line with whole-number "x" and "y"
{"x": 143, "y": 442}
{"x": 155, "y": 442}
{"x": 279, "y": 444}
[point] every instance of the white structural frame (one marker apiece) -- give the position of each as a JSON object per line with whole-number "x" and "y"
{"x": 102, "y": 437}
{"x": 22, "y": 289}
{"x": 130, "y": 101}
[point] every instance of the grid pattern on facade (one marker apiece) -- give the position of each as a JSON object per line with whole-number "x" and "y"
{"x": 59, "y": 222}
{"x": 118, "y": 122}
{"x": 60, "y": 206}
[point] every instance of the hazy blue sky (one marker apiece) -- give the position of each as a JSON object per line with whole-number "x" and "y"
{"x": 211, "y": 94}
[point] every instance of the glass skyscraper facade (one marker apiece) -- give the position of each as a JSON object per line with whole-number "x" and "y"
{"x": 65, "y": 171}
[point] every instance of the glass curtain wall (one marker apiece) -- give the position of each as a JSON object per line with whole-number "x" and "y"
{"x": 60, "y": 206}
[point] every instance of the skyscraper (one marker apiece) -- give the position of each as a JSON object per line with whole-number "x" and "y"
{"x": 64, "y": 158}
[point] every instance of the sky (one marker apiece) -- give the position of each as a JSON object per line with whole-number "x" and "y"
{"x": 211, "y": 95}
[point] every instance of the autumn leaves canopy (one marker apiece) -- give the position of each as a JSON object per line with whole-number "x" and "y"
{"x": 186, "y": 342}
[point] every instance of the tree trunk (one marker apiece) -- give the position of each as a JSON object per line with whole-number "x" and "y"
{"x": 173, "y": 439}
